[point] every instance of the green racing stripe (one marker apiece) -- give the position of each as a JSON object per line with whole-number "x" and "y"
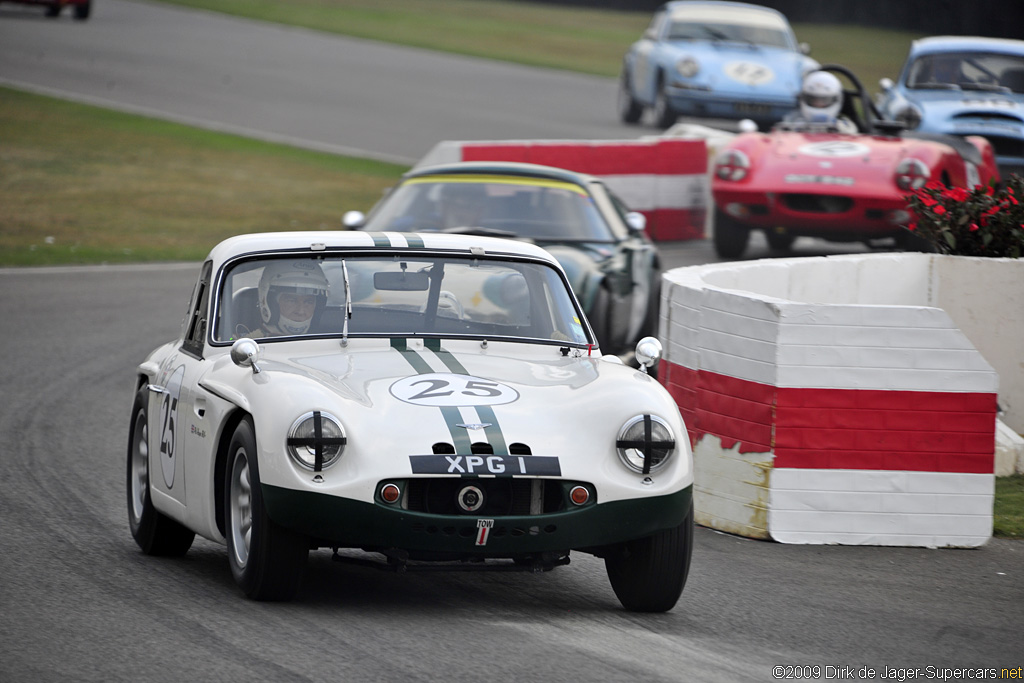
{"x": 452, "y": 416}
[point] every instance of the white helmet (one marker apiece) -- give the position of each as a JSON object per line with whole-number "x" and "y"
{"x": 821, "y": 97}
{"x": 297, "y": 276}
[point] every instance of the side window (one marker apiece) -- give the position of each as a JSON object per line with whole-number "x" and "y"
{"x": 195, "y": 323}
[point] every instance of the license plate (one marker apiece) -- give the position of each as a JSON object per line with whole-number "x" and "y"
{"x": 751, "y": 108}
{"x": 498, "y": 465}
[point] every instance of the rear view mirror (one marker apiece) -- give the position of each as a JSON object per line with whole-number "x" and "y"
{"x": 401, "y": 282}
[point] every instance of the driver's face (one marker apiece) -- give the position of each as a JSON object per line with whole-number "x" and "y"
{"x": 297, "y": 307}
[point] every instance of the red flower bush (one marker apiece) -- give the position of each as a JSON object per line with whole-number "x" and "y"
{"x": 984, "y": 221}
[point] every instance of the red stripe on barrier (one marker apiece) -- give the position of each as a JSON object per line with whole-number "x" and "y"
{"x": 664, "y": 157}
{"x": 812, "y": 428}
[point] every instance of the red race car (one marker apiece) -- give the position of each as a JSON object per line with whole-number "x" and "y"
{"x": 807, "y": 179}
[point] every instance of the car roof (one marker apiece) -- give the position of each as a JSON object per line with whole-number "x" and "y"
{"x": 504, "y": 168}
{"x": 327, "y": 241}
{"x": 958, "y": 43}
{"x": 710, "y": 10}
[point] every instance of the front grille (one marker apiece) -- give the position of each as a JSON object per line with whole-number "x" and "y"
{"x": 503, "y": 496}
{"x": 817, "y": 203}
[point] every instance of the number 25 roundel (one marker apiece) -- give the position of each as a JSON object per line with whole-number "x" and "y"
{"x": 443, "y": 390}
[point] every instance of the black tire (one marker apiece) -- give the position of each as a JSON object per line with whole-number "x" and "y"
{"x": 83, "y": 11}
{"x": 630, "y": 110}
{"x": 155, "y": 533}
{"x": 53, "y": 11}
{"x": 730, "y": 239}
{"x": 779, "y": 241}
{"x": 266, "y": 560}
{"x": 664, "y": 115}
{"x": 648, "y": 574}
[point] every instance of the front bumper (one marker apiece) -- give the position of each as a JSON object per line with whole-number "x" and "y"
{"x": 812, "y": 212}
{"x": 343, "y": 522}
{"x": 697, "y": 101}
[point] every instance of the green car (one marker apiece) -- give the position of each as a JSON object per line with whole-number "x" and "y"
{"x": 610, "y": 261}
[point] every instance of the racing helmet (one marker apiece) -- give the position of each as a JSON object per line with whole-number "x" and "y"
{"x": 821, "y": 97}
{"x": 295, "y": 276}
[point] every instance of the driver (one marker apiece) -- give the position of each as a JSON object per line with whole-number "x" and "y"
{"x": 946, "y": 69}
{"x": 821, "y": 99}
{"x": 292, "y": 296}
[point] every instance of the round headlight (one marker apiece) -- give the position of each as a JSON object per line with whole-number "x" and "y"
{"x": 912, "y": 174}
{"x": 732, "y": 164}
{"x": 910, "y": 116}
{"x": 687, "y": 67}
{"x": 645, "y": 443}
{"x": 316, "y": 440}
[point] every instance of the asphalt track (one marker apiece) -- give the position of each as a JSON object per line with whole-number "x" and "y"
{"x": 79, "y": 602}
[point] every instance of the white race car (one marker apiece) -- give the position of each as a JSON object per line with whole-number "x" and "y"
{"x": 429, "y": 398}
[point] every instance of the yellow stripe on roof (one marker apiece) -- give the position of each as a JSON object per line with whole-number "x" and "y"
{"x": 498, "y": 180}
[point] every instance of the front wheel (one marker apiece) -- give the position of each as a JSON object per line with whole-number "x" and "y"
{"x": 266, "y": 560}
{"x": 648, "y": 574}
{"x": 730, "y": 237}
{"x": 664, "y": 115}
{"x": 155, "y": 533}
{"x": 83, "y": 11}
{"x": 630, "y": 110}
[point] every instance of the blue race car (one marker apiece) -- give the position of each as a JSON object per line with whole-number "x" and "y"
{"x": 713, "y": 59}
{"x": 962, "y": 85}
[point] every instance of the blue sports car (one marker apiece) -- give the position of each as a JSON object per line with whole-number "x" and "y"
{"x": 713, "y": 59}
{"x": 961, "y": 85}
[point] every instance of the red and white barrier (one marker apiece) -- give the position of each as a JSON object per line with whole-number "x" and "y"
{"x": 867, "y": 417}
{"x": 663, "y": 178}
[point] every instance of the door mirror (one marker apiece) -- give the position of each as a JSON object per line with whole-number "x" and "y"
{"x": 648, "y": 353}
{"x": 353, "y": 219}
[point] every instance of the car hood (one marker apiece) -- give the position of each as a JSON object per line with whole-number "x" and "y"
{"x": 944, "y": 111}
{"x": 735, "y": 68}
{"x": 401, "y": 398}
{"x": 829, "y": 154}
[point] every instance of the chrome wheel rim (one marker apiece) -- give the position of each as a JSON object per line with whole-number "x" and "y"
{"x": 140, "y": 466}
{"x": 241, "y": 508}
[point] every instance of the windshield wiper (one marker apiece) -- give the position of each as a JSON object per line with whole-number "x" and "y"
{"x": 986, "y": 87}
{"x": 482, "y": 232}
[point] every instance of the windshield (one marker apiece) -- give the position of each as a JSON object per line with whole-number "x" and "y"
{"x": 505, "y": 206}
{"x": 968, "y": 71}
{"x": 755, "y": 35}
{"x": 396, "y": 295}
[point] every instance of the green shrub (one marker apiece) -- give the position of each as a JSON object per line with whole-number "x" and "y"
{"x": 985, "y": 221}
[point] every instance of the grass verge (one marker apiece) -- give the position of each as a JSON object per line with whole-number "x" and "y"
{"x": 81, "y": 184}
{"x": 572, "y": 38}
{"x": 1009, "y": 507}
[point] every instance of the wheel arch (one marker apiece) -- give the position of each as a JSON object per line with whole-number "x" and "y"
{"x": 229, "y": 425}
